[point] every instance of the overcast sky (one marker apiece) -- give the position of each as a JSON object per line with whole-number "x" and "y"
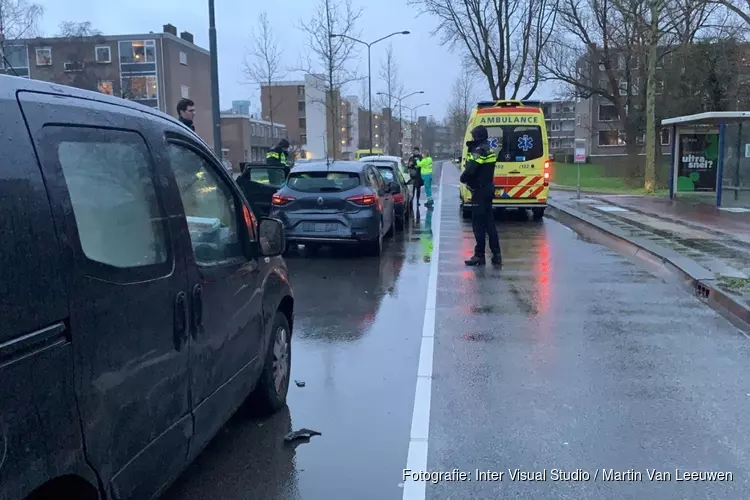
{"x": 423, "y": 63}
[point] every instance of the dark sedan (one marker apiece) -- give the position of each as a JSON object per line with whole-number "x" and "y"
{"x": 341, "y": 202}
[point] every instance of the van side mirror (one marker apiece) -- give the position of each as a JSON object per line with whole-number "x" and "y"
{"x": 271, "y": 236}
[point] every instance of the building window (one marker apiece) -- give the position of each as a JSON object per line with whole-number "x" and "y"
{"x": 44, "y": 56}
{"x": 106, "y": 87}
{"x": 138, "y": 52}
{"x": 623, "y": 86}
{"x": 302, "y": 123}
{"x": 665, "y": 137}
{"x": 185, "y": 91}
{"x": 301, "y": 92}
{"x": 303, "y": 138}
{"x": 139, "y": 87}
{"x": 611, "y": 138}
{"x": 640, "y": 140}
{"x": 554, "y": 145}
{"x": 659, "y": 86}
{"x": 103, "y": 54}
{"x": 578, "y": 120}
{"x": 16, "y": 57}
{"x": 556, "y": 127}
{"x": 608, "y": 113}
{"x": 183, "y": 58}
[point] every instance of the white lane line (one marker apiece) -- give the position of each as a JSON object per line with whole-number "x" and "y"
{"x": 420, "y": 421}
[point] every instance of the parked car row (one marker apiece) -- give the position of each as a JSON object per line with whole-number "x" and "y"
{"x": 143, "y": 301}
{"x": 332, "y": 203}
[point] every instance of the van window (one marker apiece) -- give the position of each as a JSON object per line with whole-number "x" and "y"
{"x": 210, "y": 207}
{"x": 113, "y": 197}
{"x": 512, "y": 143}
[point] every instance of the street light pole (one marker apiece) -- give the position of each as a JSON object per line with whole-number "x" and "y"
{"x": 400, "y": 113}
{"x": 214, "y": 80}
{"x": 369, "y": 69}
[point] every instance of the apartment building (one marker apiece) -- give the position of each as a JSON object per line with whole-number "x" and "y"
{"x": 245, "y": 138}
{"x": 306, "y": 108}
{"x": 349, "y": 127}
{"x": 560, "y": 118}
{"x": 154, "y": 69}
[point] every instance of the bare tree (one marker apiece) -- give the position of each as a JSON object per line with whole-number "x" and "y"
{"x": 740, "y": 8}
{"x": 263, "y": 67}
{"x": 334, "y": 56}
{"x": 389, "y": 76}
{"x": 505, "y": 39}
{"x": 660, "y": 23}
{"x": 18, "y": 19}
{"x": 463, "y": 100}
{"x": 79, "y": 59}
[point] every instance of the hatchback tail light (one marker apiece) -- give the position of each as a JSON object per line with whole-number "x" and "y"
{"x": 547, "y": 168}
{"x": 365, "y": 200}
{"x": 280, "y": 200}
{"x": 398, "y": 198}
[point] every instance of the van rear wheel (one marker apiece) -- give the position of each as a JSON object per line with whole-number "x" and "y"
{"x": 537, "y": 213}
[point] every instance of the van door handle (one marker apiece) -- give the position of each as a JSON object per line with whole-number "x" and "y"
{"x": 180, "y": 320}
{"x": 197, "y": 310}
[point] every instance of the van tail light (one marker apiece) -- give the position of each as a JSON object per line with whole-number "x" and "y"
{"x": 363, "y": 200}
{"x": 279, "y": 200}
{"x": 547, "y": 168}
{"x": 399, "y": 198}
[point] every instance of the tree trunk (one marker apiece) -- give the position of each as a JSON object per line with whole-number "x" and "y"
{"x": 649, "y": 178}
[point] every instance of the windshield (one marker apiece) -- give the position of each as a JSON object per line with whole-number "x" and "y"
{"x": 516, "y": 143}
{"x": 319, "y": 182}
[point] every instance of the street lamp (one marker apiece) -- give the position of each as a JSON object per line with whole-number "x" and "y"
{"x": 400, "y": 109}
{"x": 369, "y": 69}
{"x": 414, "y": 113}
{"x": 215, "y": 108}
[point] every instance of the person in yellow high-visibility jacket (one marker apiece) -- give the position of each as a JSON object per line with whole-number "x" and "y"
{"x": 425, "y": 165}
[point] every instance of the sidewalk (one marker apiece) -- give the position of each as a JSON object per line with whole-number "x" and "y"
{"x": 709, "y": 246}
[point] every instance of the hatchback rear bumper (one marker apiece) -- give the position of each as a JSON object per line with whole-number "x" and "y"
{"x": 354, "y": 227}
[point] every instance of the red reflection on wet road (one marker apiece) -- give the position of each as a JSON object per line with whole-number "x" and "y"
{"x": 542, "y": 270}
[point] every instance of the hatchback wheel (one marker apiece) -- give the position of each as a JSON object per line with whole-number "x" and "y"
{"x": 270, "y": 394}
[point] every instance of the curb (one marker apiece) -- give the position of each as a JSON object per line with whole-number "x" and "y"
{"x": 691, "y": 275}
{"x": 673, "y": 220}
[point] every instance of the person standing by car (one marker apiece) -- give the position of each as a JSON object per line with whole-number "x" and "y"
{"x": 425, "y": 167}
{"x": 478, "y": 176}
{"x": 278, "y": 155}
{"x": 186, "y": 113}
{"x": 415, "y": 176}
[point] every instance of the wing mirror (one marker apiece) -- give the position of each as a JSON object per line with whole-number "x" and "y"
{"x": 272, "y": 237}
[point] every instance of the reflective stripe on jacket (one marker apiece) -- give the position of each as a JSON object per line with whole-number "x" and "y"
{"x": 274, "y": 156}
{"x": 425, "y": 164}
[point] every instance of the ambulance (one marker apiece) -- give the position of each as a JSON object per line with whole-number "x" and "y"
{"x": 518, "y": 137}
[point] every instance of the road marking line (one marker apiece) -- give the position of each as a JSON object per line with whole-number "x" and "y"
{"x": 420, "y": 420}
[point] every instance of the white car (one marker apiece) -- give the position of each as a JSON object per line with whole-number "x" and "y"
{"x": 388, "y": 160}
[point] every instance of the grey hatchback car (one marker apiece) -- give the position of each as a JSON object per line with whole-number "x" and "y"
{"x": 142, "y": 301}
{"x": 344, "y": 202}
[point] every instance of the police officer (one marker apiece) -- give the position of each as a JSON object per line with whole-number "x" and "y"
{"x": 478, "y": 176}
{"x": 278, "y": 155}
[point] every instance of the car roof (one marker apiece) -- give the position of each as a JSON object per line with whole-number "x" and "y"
{"x": 335, "y": 166}
{"x": 10, "y": 85}
{"x": 380, "y": 157}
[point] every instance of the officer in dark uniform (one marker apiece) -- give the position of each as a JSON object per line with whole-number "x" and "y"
{"x": 279, "y": 154}
{"x": 478, "y": 176}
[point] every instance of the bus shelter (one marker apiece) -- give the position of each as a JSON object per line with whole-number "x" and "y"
{"x": 711, "y": 157}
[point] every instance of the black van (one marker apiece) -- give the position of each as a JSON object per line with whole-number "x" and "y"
{"x": 142, "y": 302}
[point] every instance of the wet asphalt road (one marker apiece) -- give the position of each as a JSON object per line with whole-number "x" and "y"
{"x": 568, "y": 358}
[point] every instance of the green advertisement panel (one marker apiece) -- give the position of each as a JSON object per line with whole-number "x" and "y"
{"x": 698, "y": 159}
